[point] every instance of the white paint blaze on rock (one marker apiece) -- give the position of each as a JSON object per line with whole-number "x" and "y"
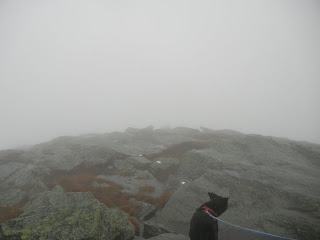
{"x": 158, "y": 161}
{"x": 183, "y": 182}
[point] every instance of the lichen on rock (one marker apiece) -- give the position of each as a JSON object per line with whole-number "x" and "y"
{"x": 11, "y": 197}
{"x": 68, "y": 215}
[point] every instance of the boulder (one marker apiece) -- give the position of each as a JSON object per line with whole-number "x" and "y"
{"x": 170, "y": 236}
{"x": 145, "y": 210}
{"x": 11, "y": 155}
{"x": 161, "y": 168}
{"x": 55, "y": 155}
{"x": 132, "y": 164}
{"x": 166, "y": 236}
{"x": 139, "y": 162}
{"x": 38, "y": 188}
{"x": 10, "y": 168}
{"x": 68, "y": 215}
{"x": 23, "y": 176}
{"x": 152, "y": 229}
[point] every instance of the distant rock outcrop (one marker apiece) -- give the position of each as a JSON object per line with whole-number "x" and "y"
{"x": 148, "y": 182}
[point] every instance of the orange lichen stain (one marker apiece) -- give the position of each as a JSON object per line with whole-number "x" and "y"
{"x": 163, "y": 199}
{"x": 26, "y": 187}
{"x": 79, "y": 182}
{"x": 146, "y": 189}
{"x": 135, "y": 224}
{"x": 112, "y": 197}
{"x": 110, "y": 194}
{"x": 7, "y": 213}
{"x": 48, "y": 152}
{"x": 81, "y": 179}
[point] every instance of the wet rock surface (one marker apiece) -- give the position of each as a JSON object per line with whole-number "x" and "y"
{"x": 159, "y": 177}
{"x": 144, "y": 211}
{"x": 162, "y": 168}
{"x": 264, "y": 178}
{"x": 151, "y": 229}
{"x": 170, "y": 236}
{"x": 166, "y": 236}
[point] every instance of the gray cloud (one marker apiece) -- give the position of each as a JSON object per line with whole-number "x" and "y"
{"x": 72, "y": 67}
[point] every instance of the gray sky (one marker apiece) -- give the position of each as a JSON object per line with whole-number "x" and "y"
{"x": 73, "y": 67}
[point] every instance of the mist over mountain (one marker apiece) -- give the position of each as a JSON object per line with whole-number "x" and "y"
{"x": 74, "y": 75}
{"x": 68, "y": 68}
{"x": 146, "y": 184}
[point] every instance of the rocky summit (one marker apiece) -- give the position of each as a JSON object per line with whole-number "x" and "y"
{"x": 146, "y": 184}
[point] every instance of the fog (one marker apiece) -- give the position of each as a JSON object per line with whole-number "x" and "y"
{"x": 76, "y": 67}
